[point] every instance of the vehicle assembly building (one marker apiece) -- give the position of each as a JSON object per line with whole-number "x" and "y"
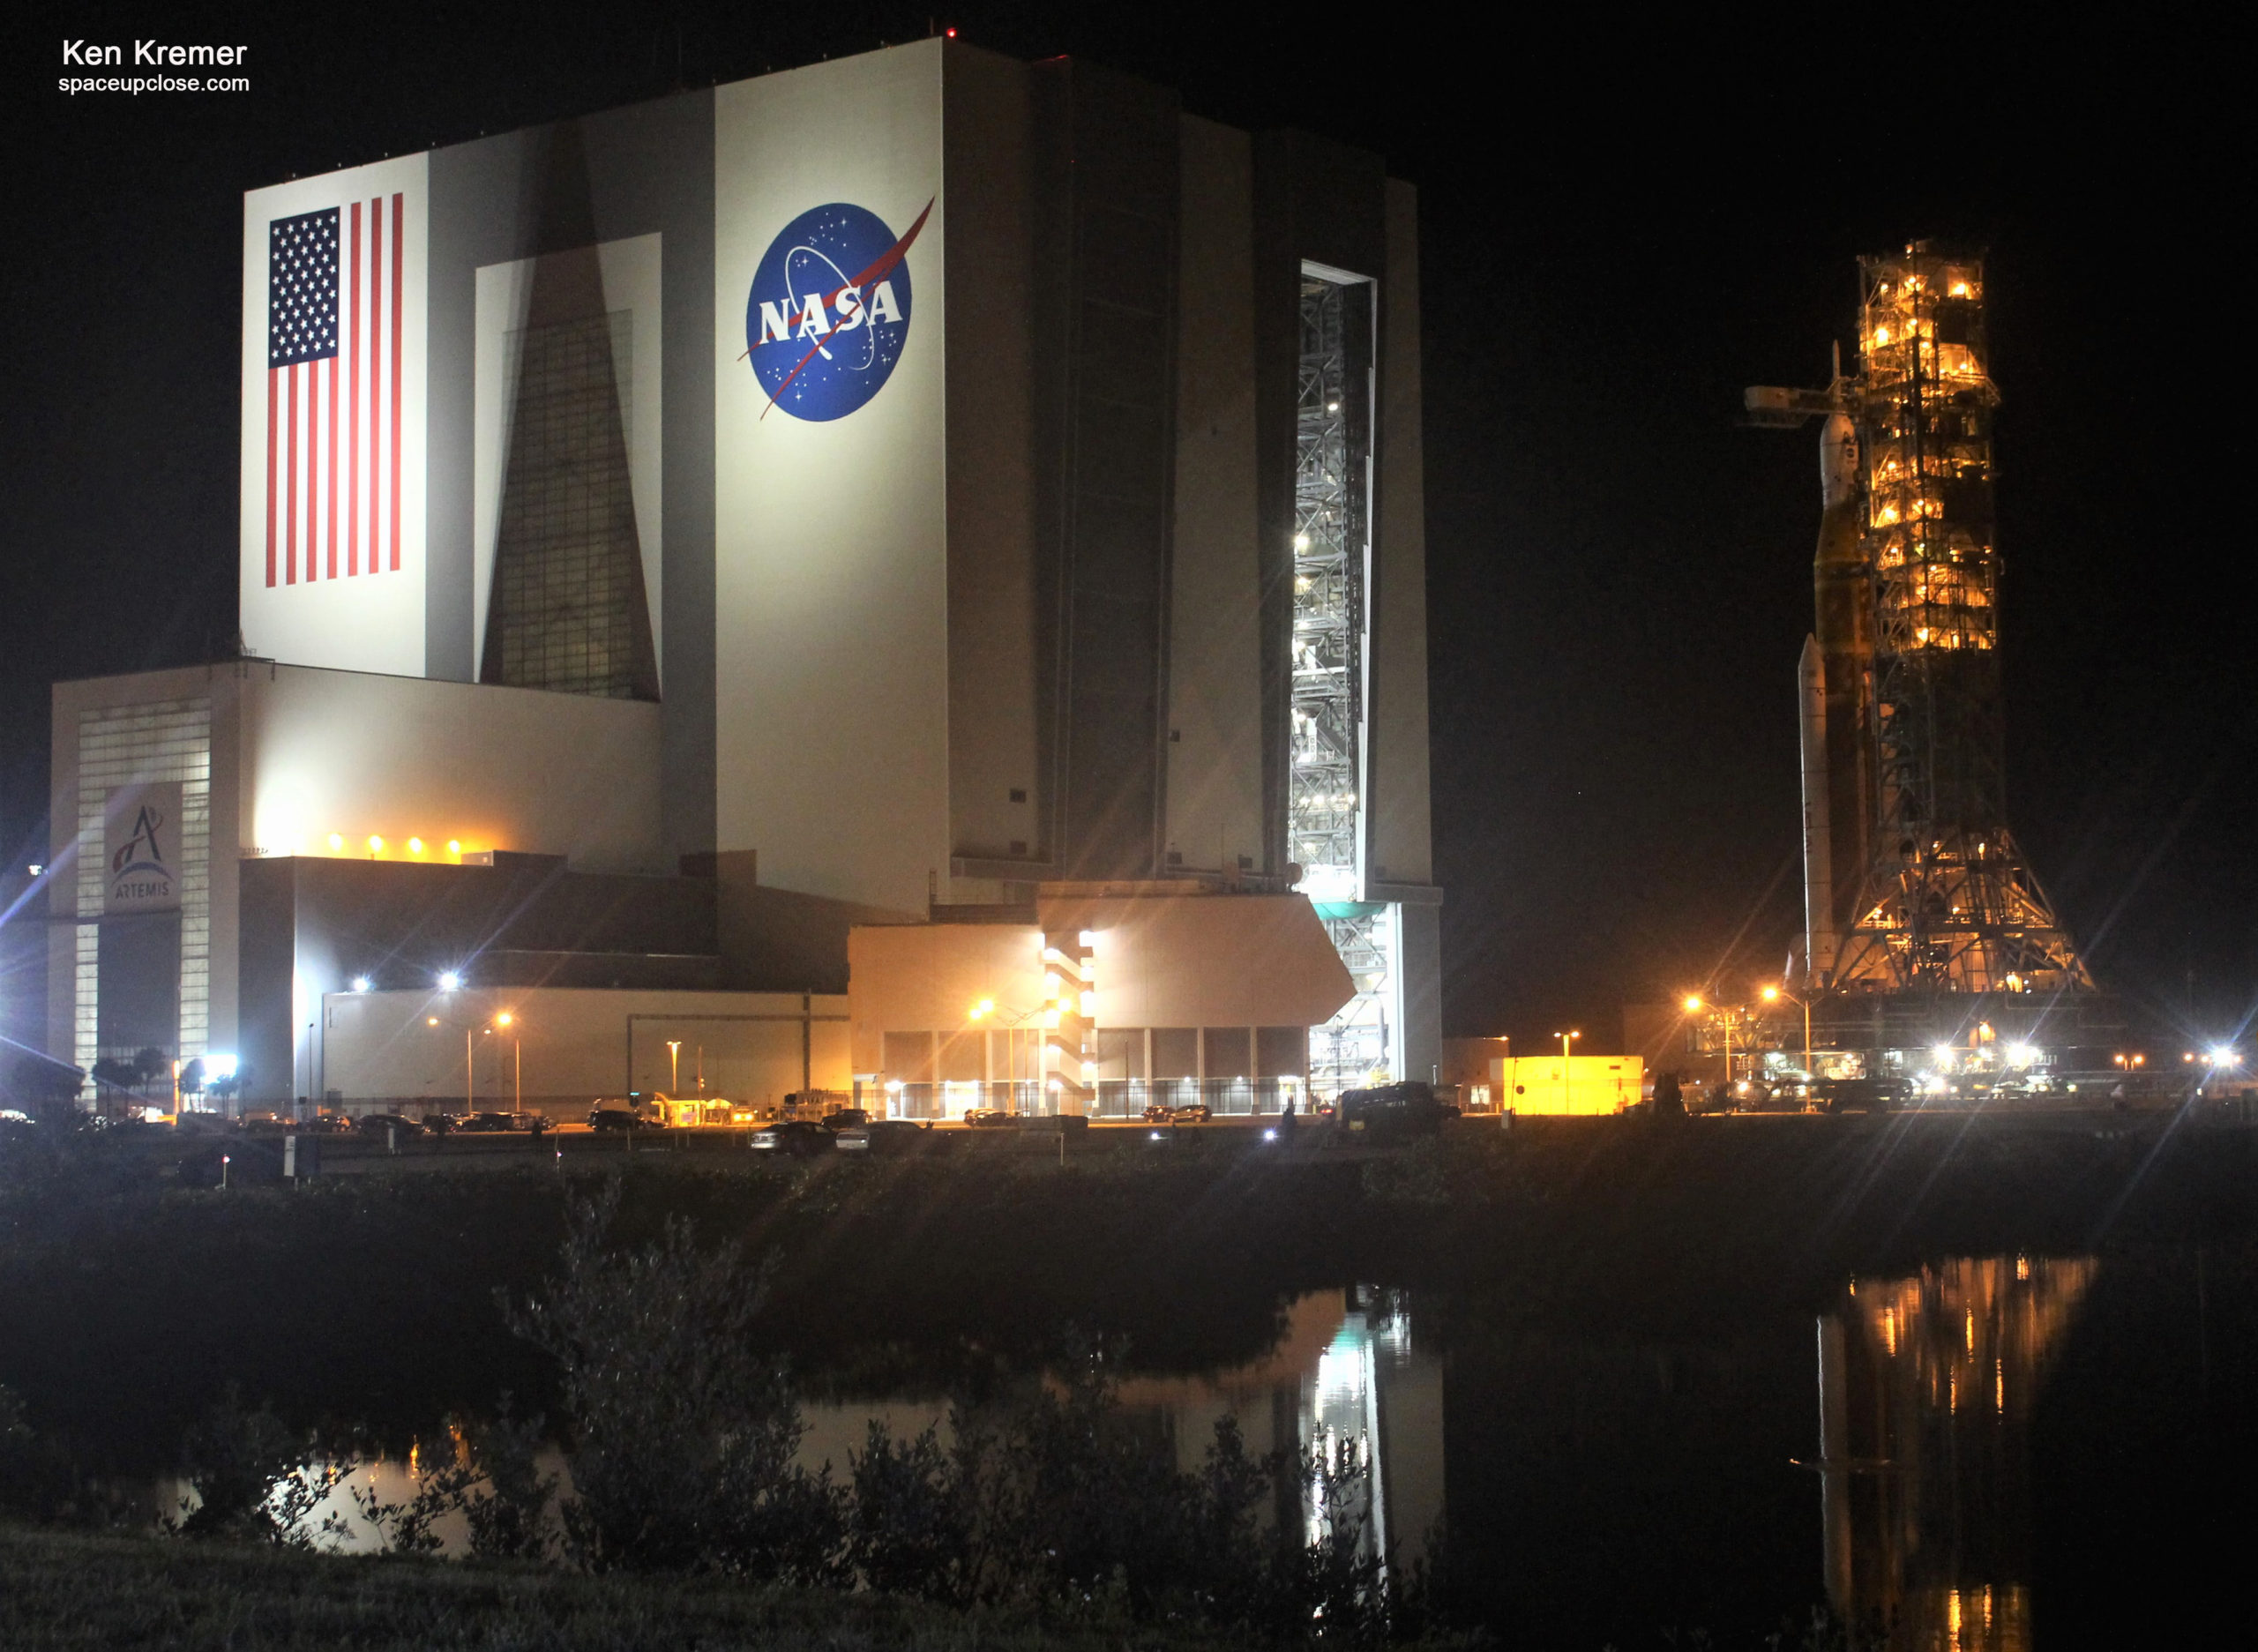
{"x": 917, "y": 489}
{"x": 1928, "y": 939}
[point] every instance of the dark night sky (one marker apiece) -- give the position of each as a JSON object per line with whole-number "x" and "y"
{"x": 1623, "y": 226}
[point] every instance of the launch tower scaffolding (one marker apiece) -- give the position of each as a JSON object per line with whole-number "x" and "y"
{"x": 1332, "y": 493}
{"x": 1949, "y": 903}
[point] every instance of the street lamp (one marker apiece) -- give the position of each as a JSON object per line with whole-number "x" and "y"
{"x": 1564, "y": 1038}
{"x": 470, "y": 1033}
{"x": 1770, "y": 994}
{"x": 1723, "y": 1019}
{"x": 517, "y": 1062}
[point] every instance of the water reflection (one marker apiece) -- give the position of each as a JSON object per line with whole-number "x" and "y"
{"x": 1925, "y": 1388}
{"x": 1348, "y": 1380}
{"x": 344, "y": 1490}
{"x": 1346, "y": 1376}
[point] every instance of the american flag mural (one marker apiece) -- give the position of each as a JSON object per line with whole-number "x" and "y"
{"x": 333, "y": 320}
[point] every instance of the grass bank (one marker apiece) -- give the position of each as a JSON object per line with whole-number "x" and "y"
{"x": 64, "y": 1590}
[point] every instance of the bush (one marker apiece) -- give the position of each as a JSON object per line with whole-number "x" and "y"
{"x": 682, "y": 1446}
{"x": 682, "y": 1436}
{"x": 906, "y": 1531}
{"x": 253, "y": 1476}
{"x": 1052, "y": 1500}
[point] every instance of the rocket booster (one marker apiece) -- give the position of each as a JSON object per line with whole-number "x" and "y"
{"x": 1844, "y": 647}
{"x": 1818, "y": 867}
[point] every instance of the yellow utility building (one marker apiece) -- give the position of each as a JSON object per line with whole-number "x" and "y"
{"x": 1574, "y": 1084}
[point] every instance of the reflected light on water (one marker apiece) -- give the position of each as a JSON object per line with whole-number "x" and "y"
{"x": 1346, "y": 1377}
{"x": 1925, "y": 1500}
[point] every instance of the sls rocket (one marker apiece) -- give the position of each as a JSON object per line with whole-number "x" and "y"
{"x": 1836, "y": 677}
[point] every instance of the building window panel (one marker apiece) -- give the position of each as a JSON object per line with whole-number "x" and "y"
{"x": 128, "y": 746}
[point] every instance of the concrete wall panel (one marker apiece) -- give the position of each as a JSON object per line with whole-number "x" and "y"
{"x": 1215, "y": 787}
{"x": 338, "y": 752}
{"x": 927, "y": 978}
{"x": 578, "y": 1045}
{"x": 831, "y": 597}
{"x": 992, "y": 625}
{"x": 1401, "y": 842}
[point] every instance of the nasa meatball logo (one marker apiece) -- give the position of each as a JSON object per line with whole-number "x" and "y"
{"x": 829, "y": 314}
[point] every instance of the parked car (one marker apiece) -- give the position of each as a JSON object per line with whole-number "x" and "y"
{"x": 796, "y": 1136}
{"x": 446, "y": 1124}
{"x": 1390, "y": 1110}
{"x": 1860, "y": 1096}
{"x": 1759, "y": 1096}
{"x": 611, "y": 1116}
{"x": 329, "y": 1124}
{"x": 987, "y": 1118}
{"x": 400, "y": 1125}
{"x": 842, "y": 1117}
{"x": 1159, "y": 1113}
{"x": 262, "y": 1124}
{"x": 885, "y": 1135}
{"x": 497, "y": 1124}
{"x": 1191, "y": 1113}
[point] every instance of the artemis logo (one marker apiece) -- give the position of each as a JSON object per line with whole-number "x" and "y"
{"x": 829, "y": 311}
{"x": 138, "y": 875}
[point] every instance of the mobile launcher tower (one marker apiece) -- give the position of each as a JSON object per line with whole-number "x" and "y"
{"x": 1930, "y": 947}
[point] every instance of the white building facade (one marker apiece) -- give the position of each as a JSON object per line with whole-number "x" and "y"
{"x": 910, "y": 483}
